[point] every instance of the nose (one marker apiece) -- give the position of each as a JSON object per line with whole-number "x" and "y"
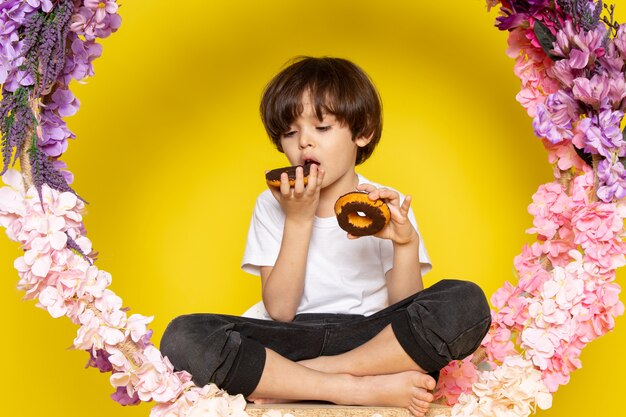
{"x": 305, "y": 140}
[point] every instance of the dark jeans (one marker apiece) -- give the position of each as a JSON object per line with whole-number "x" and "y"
{"x": 444, "y": 322}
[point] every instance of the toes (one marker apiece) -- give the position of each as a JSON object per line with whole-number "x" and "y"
{"x": 417, "y": 411}
{"x": 420, "y": 404}
{"x": 423, "y": 395}
{"x": 424, "y": 381}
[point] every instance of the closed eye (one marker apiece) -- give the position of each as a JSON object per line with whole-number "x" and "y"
{"x": 323, "y": 128}
{"x": 289, "y": 134}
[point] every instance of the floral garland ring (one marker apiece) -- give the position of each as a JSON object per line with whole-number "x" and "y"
{"x": 571, "y": 58}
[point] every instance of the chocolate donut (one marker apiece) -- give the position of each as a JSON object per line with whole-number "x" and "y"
{"x": 360, "y": 216}
{"x": 273, "y": 176}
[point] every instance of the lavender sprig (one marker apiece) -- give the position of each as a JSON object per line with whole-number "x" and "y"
{"x": 45, "y": 39}
{"x": 583, "y": 16}
{"x": 71, "y": 243}
{"x": 16, "y": 123}
{"x": 44, "y": 173}
{"x": 53, "y": 45}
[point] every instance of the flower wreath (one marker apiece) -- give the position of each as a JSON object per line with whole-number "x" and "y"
{"x": 571, "y": 58}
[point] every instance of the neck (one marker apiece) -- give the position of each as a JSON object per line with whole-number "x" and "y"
{"x": 330, "y": 194}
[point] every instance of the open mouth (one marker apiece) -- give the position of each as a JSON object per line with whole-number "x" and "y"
{"x": 310, "y": 162}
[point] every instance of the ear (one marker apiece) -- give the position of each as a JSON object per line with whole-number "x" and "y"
{"x": 362, "y": 141}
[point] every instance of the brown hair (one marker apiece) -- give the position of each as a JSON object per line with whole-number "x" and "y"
{"x": 336, "y": 86}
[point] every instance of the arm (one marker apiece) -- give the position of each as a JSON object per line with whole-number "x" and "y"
{"x": 283, "y": 283}
{"x": 405, "y": 277}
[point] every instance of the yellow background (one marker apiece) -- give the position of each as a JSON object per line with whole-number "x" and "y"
{"x": 171, "y": 154}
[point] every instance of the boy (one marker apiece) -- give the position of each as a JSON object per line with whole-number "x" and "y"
{"x": 351, "y": 321}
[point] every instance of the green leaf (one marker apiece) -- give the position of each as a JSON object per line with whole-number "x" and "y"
{"x": 545, "y": 38}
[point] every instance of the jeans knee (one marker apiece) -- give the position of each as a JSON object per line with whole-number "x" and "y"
{"x": 453, "y": 317}
{"x": 475, "y": 321}
{"x": 474, "y": 298}
{"x": 173, "y": 341}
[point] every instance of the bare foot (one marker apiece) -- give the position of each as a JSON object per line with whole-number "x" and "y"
{"x": 409, "y": 390}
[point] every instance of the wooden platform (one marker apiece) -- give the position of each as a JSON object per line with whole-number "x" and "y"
{"x": 330, "y": 410}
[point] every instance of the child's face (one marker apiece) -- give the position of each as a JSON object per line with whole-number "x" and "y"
{"x": 327, "y": 142}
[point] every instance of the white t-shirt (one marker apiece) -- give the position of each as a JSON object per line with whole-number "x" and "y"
{"x": 342, "y": 275}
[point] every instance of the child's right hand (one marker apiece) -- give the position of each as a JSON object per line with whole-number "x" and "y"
{"x": 300, "y": 201}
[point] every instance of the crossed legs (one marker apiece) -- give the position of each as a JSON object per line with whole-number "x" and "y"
{"x": 377, "y": 373}
{"x": 374, "y": 359}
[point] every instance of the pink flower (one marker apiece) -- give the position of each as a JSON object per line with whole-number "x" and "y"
{"x": 205, "y": 401}
{"x": 530, "y": 272}
{"x": 563, "y": 155}
{"x": 594, "y": 91}
{"x": 136, "y": 326}
{"x": 153, "y": 380}
{"x": 530, "y": 99}
{"x": 512, "y": 389}
{"x": 596, "y": 223}
{"x": 550, "y": 207}
{"x": 539, "y": 345}
{"x": 455, "y": 379}
{"x": 96, "y": 334}
{"x": 498, "y": 342}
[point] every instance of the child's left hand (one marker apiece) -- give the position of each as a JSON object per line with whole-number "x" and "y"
{"x": 399, "y": 230}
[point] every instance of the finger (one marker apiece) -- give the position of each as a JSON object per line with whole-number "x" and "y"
{"x": 406, "y": 204}
{"x": 298, "y": 188}
{"x": 353, "y": 237}
{"x": 320, "y": 176}
{"x": 392, "y": 197}
{"x": 285, "y": 188}
{"x": 366, "y": 187}
{"x": 311, "y": 187}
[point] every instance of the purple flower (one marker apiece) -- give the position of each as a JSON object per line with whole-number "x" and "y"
{"x": 101, "y": 8}
{"x": 96, "y": 22}
{"x": 121, "y": 396}
{"x": 54, "y": 134}
{"x": 78, "y": 64}
{"x": 15, "y": 10}
{"x": 517, "y": 12}
{"x": 564, "y": 108}
{"x": 602, "y": 132}
{"x": 580, "y": 49}
{"x": 545, "y": 126}
{"x": 64, "y": 102}
{"x": 46, "y": 5}
{"x": 100, "y": 361}
{"x": 593, "y": 92}
{"x": 144, "y": 341}
{"x": 612, "y": 180}
{"x": 8, "y": 39}
{"x": 554, "y": 119}
{"x": 17, "y": 78}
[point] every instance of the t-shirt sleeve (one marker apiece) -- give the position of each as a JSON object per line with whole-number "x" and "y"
{"x": 387, "y": 250}
{"x": 264, "y": 236}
